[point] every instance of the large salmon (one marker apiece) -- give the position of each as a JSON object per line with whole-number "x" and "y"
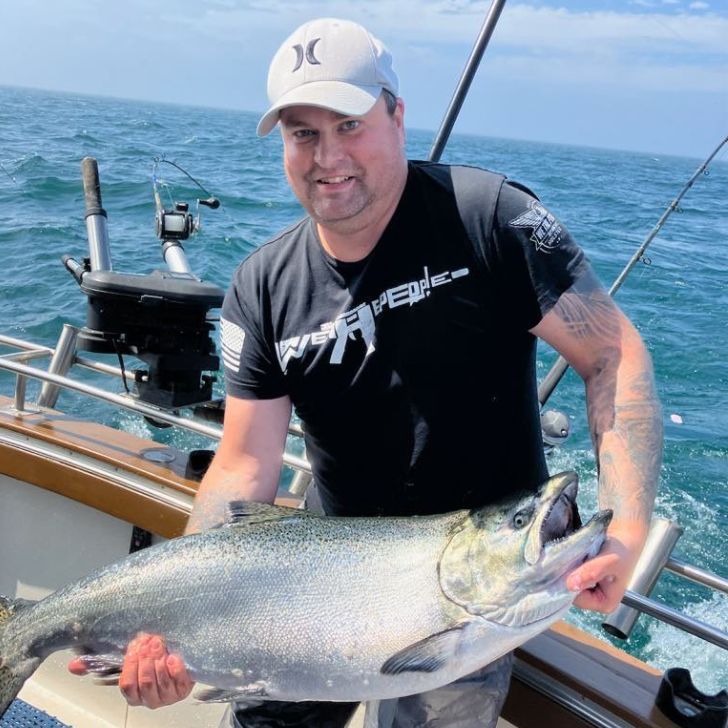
{"x": 281, "y": 604}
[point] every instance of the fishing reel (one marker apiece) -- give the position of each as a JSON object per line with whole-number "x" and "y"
{"x": 177, "y": 223}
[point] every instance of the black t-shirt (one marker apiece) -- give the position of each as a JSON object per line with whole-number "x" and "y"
{"x": 413, "y": 370}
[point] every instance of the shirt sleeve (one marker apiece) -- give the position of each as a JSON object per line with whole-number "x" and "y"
{"x": 251, "y": 368}
{"x": 537, "y": 258}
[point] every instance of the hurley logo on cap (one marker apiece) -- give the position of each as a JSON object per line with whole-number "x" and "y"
{"x": 310, "y": 57}
{"x": 330, "y": 63}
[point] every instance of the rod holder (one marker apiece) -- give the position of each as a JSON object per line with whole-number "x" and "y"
{"x": 98, "y": 239}
{"x": 61, "y": 362}
{"x": 175, "y": 257}
{"x": 299, "y": 484}
{"x": 660, "y": 542}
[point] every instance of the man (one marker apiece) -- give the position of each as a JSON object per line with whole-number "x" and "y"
{"x": 400, "y": 319}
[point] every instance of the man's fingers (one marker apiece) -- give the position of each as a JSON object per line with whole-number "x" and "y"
{"x": 129, "y": 678}
{"x": 180, "y": 677}
{"x": 149, "y": 689}
{"x": 149, "y": 676}
{"x": 77, "y": 666}
{"x": 596, "y": 598}
{"x": 592, "y": 572}
{"x": 166, "y": 685}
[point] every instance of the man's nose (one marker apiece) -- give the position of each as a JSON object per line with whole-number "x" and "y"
{"x": 329, "y": 150}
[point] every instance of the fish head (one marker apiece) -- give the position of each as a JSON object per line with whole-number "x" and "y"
{"x": 508, "y": 562}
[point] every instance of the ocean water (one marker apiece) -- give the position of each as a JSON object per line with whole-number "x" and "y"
{"x": 609, "y": 200}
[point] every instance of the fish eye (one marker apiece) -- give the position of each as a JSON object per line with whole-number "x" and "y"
{"x": 522, "y": 519}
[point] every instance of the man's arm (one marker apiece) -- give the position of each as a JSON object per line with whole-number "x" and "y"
{"x": 246, "y": 467}
{"x": 586, "y": 327}
{"x": 247, "y": 464}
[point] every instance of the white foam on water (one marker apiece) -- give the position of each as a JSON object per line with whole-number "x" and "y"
{"x": 667, "y": 646}
{"x": 671, "y": 647}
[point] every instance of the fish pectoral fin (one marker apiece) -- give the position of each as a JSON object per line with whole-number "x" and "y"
{"x": 106, "y": 666}
{"x": 240, "y": 512}
{"x": 249, "y": 694}
{"x": 427, "y": 655}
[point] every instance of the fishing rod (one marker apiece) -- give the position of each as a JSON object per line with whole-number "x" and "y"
{"x": 466, "y": 78}
{"x": 560, "y": 367}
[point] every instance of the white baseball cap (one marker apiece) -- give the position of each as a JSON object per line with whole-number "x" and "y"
{"x": 330, "y": 63}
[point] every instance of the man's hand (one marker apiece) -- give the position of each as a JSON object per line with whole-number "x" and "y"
{"x": 602, "y": 581}
{"x": 150, "y": 676}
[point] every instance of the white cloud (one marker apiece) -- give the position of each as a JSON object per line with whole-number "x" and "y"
{"x": 446, "y": 21}
{"x": 632, "y": 48}
{"x": 698, "y": 6}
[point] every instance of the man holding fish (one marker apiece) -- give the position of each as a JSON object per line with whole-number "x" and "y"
{"x": 400, "y": 319}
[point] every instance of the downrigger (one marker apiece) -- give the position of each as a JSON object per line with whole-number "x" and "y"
{"x": 161, "y": 318}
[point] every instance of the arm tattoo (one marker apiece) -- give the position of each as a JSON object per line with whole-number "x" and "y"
{"x": 588, "y": 311}
{"x": 624, "y": 413}
{"x": 637, "y": 436}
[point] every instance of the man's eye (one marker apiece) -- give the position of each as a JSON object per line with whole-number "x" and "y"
{"x": 350, "y": 124}
{"x": 303, "y": 133}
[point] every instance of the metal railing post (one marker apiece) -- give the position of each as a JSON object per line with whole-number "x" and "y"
{"x": 21, "y": 384}
{"x": 60, "y": 363}
{"x": 661, "y": 540}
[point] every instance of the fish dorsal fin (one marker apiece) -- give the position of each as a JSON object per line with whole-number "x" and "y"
{"x": 427, "y": 655}
{"x": 240, "y": 512}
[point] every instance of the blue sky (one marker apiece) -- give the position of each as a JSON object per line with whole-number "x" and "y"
{"x": 648, "y": 75}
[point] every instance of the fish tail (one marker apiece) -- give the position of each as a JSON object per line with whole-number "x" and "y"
{"x": 15, "y": 666}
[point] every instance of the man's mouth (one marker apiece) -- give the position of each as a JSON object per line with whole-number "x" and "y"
{"x": 333, "y": 180}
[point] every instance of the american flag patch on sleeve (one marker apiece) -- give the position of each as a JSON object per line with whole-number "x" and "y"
{"x": 231, "y": 343}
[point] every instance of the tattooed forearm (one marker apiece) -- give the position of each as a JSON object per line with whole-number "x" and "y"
{"x": 624, "y": 413}
{"x": 638, "y": 438}
{"x": 626, "y": 423}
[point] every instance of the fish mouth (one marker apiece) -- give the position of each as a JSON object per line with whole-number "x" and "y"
{"x": 562, "y": 515}
{"x": 557, "y": 537}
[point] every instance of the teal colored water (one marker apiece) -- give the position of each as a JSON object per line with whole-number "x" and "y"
{"x": 609, "y": 200}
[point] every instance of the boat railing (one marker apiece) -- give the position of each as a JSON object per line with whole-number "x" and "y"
{"x": 656, "y": 556}
{"x": 53, "y": 381}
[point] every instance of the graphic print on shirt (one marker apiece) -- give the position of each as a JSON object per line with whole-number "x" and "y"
{"x": 546, "y": 229}
{"x": 361, "y": 319}
{"x": 232, "y": 338}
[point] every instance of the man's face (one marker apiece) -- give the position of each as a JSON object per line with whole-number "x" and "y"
{"x": 347, "y": 171}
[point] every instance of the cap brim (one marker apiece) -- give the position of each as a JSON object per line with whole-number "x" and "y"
{"x": 338, "y": 96}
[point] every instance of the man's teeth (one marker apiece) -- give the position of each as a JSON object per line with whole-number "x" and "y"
{"x": 333, "y": 180}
